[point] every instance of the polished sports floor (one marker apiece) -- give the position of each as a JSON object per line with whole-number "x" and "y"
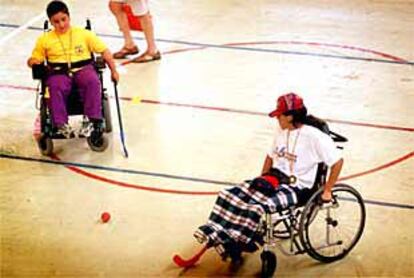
{"x": 195, "y": 122}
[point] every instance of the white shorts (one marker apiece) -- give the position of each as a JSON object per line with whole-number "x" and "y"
{"x": 139, "y": 7}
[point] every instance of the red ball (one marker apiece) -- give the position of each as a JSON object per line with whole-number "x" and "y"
{"x": 105, "y": 217}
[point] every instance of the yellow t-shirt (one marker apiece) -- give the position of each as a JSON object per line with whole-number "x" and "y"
{"x": 76, "y": 44}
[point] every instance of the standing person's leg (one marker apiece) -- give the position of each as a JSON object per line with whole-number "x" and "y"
{"x": 89, "y": 87}
{"x": 148, "y": 29}
{"x": 59, "y": 86}
{"x": 141, "y": 9}
{"x": 129, "y": 47}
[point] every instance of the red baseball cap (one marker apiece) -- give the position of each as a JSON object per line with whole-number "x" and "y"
{"x": 287, "y": 102}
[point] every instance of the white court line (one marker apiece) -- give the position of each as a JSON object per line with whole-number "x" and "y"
{"x": 121, "y": 68}
{"x": 21, "y": 28}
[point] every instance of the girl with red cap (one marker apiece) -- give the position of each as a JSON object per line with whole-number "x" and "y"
{"x": 288, "y": 174}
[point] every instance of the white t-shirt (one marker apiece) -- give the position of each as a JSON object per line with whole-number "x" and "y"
{"x": 307, "y": 147}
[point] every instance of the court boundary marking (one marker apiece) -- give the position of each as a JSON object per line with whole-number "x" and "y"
{"x": 75, "y": 167}
{"x": 198, "y": 46}
{"x": 231, "y": 110}
{"x": 239, "y": 46}
{"x": 20, "y": 28}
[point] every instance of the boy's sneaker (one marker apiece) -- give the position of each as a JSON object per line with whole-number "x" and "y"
{"x": 86, "y": 129}
{"x": 66, "y": 131}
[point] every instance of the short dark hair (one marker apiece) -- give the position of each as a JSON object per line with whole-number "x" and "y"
{"x": 299, "y": 116}
{"x": 55, "y": 7}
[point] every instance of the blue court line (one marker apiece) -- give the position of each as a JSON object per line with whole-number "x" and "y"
{"x": 380, "y": 203}
{"x": 128, "y": 171}
{"x": 112, "y": 169}
{"x": 206, "y": 45}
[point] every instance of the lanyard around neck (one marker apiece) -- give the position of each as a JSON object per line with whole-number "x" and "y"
{"x": 67, "y": 52}
{"x": 291, "y": 155}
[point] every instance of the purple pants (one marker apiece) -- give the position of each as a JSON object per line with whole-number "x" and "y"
{"x": 88, "y": 85}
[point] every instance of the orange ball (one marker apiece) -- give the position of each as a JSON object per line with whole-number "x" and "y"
{"x": 105, "y": 217}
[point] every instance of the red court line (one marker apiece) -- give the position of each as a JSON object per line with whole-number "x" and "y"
{"x": 384, "y": 55}
{"x": 184, "y": 192}
{"x": 170, "y": 52}
{"x": 376, "y": 169}
{"x": 214, "y": 108}
{"x": 231, "y": 110}
{"x": 410, "y": 129}
{"x": 360, "y": 49}
{"x": 223, "y": 109}
{"x": 134, "y": 186}
{"x": 7, "y": 86}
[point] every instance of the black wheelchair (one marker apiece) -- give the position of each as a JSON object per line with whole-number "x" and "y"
{"x": 325, "y": 231}
{"x": 96, "y": 140}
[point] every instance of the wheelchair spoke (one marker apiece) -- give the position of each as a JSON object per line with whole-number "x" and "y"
{"x": 330, "y": 231}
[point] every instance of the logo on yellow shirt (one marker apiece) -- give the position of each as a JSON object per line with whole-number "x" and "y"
{"x": 79, "y": 50}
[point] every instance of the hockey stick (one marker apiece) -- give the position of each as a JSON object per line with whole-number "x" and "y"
{"x": 190, "y": 262}
{"x": 121, "y": 129}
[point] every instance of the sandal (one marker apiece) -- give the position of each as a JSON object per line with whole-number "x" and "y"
{"x": 125, "y": 51}
{"x": 146, "y": 57}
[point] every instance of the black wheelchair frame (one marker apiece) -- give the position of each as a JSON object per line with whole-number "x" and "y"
{"x": 97, "y": 141}
{"x": 314, "y": 227}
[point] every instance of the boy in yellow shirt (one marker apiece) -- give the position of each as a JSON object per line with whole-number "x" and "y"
{"x": 68, "y": 51}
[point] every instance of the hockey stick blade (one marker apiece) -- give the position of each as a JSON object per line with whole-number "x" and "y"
{"x": 190, "y": 262}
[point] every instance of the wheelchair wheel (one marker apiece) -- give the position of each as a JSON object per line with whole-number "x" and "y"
{"x": 97, "y": 142}
{"x": 269, "y": 264}
{"x": 107, "y": 113}
{"x": 328, "y": 232}
{"x": 45, "y": 145}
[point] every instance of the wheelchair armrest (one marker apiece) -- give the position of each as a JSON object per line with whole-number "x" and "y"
{"x": 38, "y": 71}
{"x": 100, "y": 62}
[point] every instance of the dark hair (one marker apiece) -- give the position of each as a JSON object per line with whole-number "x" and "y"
{"x": 299, "y": 115}
{"x": 318, "y": 123}
{"x": 55, "y": 7}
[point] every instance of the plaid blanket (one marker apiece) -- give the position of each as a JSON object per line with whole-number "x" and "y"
{"x": 236, "y": 215}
